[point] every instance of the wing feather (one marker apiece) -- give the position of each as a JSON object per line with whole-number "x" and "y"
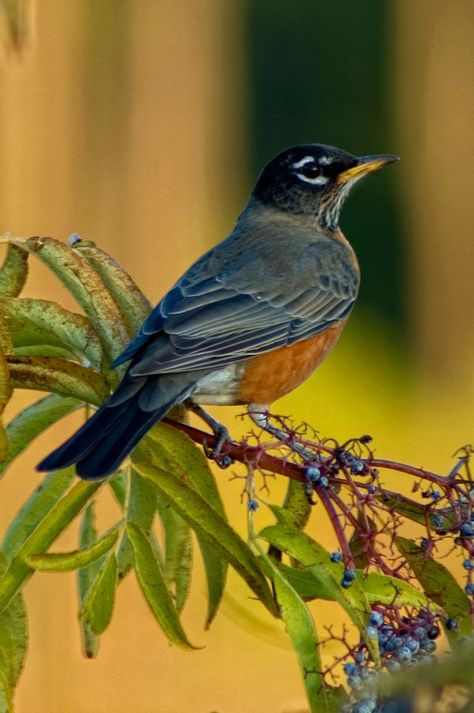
{"x": 238, "y": 301}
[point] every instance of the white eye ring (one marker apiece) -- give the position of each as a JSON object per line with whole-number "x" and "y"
{"x": 316, "y": 181}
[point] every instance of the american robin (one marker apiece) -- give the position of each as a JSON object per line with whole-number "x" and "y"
{"x": 246, "y": 323}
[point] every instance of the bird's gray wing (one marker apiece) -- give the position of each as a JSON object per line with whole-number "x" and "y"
{"x": 242, "y": 301}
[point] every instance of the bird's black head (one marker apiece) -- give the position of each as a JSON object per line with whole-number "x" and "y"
{"x": 314, "y": 180}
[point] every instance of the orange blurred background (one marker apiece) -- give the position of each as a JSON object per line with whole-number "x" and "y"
{"x": 141, "y": 126}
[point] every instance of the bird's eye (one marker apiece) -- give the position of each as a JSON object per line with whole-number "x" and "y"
{"x": 310, "y": 170}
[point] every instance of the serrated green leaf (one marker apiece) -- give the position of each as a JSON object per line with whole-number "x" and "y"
{"x": 439, "y": 585}
{"x": 132, "y": 302}
{"x": 438, "y": 520}
{"x": 32, "y": 421}
{"x": 302, "y": 632}
{"x": 48, "y": 493}
{"x": 41, "y": 322}
{"x": 178, "y": 453}
{"x": 97, "y": 607}
{"x": 297, "y": 503}
{"x": 88, "y": 289}
{"x": 58, "y": 376}
{"x": 6, "y": 702}
{"x": 13, "y": 635}
{"x": 379, "y": 588}
{"x": 50, "y": 526}
{"x": 287, "y": 538}
{"x": 139, "y": 507}
{"x": 69, "y": 561}
{"x": 85, "y": 577}
{"x": 13, "y": 272}
{"x": 178, "y": 553}
{"x": 153, "y": 586}
{"x": 202, "y": 518}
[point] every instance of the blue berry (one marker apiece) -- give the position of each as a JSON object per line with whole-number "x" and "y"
{"x": 468, "y": 564}
{"x": 424, "y": 543}
{"x": 428, "y": 645}
{"x": 437, "y": 521}
{"x": 336, "y": 556}
{"x": 363, "y": 707}
{"x": 350, "y": 668}
{"x": 421, "y": 632}
{"x": 357, "y": 467}
{"x": 412, "y": 644}
{"x": 252, "y": 505}
{"x": 345, "y": 584}
{"x": 371, "y": 632}
{"x": 312, "y": 473}
{"x": 73, "y": 239}
{"x": 376, "y": 618}
{"x": 350, "y": 575}
{"x": 452, "y": 624}
{"x": 354, "y": 681}
{"x": 435, "y": 494}
{"x": 466, "y": 529}
{"x": 360, "y": 656}
{"x": 469, "y": 588}
{"x": 372, "y": 489}
{"x": 404, "y": 654}
{"x": 393, "y": 665}
{"x": 324, "y": 481}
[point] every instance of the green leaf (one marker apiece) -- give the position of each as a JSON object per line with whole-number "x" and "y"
{"x": 178, "y": 554}
{"x": 13, "y": 637}
{"x": 41, "y": 322}
{"x": 385, "y": 589}
{"x": 139, "y": 507}
{"x": 297, "y": 503}
{"x": 439, "y": 585}
{"x": 178, "y": 453}
{"x": 50, "y": 526}
{"x": 98, "y": 604}
{"x": 132, "y": 302}
{"x": 13, "y": 272}
{"x": 58, "y": 376}
{"x": 287, "y": 538}
{"x": 85, "y": 577}
{"x": 202, "y": 518}
{"x": 88, "y": 289}
{"x": 69, "y": 561}
{"x": 6, "y": 701}
{"x": 153, "y": 586}
{"x": 5, "y": 394}
{"x": 32, "y": 421}
{"x": 302, "y": 632}
{"x": 439, "y": 519}
{"x": 379, "y": 588}
{"x": 48, "y": 493}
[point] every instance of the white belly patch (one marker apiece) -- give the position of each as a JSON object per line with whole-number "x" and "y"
{"x": 220, "y": 387}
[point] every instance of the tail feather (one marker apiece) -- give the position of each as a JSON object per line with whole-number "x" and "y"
{"x": 102, "y": 443}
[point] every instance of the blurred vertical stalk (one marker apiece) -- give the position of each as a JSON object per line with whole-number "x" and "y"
{"x": 434, "y": 64}
{"x": 16, "y": 20}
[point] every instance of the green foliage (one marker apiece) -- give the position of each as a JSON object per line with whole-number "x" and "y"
{"x": 167, "y": 481}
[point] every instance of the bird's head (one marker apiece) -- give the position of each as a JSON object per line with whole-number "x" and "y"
{"x": 314, "y": 180}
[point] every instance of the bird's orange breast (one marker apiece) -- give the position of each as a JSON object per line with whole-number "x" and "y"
{"x": 270, "y": 376}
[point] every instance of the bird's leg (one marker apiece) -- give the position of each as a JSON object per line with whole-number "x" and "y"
{"x": 259, "y": 415}
{"x": 220, "y": 432}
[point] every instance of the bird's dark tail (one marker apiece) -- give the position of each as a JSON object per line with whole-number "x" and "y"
{"x": 102, "y": 443}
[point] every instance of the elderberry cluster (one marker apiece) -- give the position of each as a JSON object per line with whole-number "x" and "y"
{"x": 403, "y": 641}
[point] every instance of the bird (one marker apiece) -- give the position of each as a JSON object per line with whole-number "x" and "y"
{"x": 249, "y": 321}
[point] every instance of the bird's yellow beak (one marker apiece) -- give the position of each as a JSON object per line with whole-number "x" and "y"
{"x": 365, "y": 165}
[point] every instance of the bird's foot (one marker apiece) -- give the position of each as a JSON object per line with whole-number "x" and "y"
{"x": 260, "y": 416}
{"x": 217, "y": 452}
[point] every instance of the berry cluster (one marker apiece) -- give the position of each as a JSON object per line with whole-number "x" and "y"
{"x": 403, "y": 641}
